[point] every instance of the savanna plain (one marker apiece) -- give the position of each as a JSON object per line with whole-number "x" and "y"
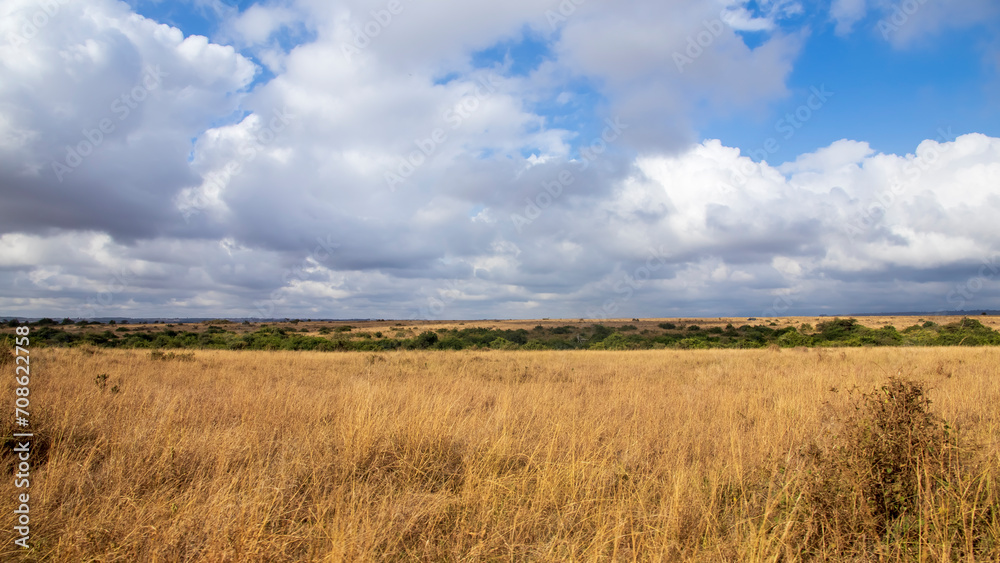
{"x": 775, "y": 454}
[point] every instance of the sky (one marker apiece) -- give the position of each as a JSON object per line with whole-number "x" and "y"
{"x": 523, "y": 159}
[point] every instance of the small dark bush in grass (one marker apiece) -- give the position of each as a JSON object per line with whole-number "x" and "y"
{"x": 893, "y": 434}
{"x": 158, "y": 355}
{"x": 667, "y": 326}
{"x": 894, "y": 473}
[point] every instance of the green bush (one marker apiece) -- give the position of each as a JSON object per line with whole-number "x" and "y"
{"x": 503, "y": 344}
{"x": 615, "y": 341}
{"x": 426, "y": 339}
{"x": 839, "y": 329}
{"x": 891, "y": 460}
{"x": 450, "y": 343}
{"x": 600, "y": 333}
{"x": 792, "y": 339}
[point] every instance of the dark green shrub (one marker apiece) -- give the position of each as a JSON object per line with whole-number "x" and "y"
{"x": 503, "y": 344}
{"x": 450, "y": 343}
{"x": 839, "y": 329}
{"x": 890, "y": 467}
{"x": 600, "y": 333}
{"x": 426, "y": 339}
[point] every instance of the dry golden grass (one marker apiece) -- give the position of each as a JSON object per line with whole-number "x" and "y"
{"x": 471, "y": 456}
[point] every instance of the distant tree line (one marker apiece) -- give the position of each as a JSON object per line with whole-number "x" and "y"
{"x": 832, "y": 333}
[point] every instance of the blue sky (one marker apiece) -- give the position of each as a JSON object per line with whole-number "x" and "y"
{"x": 385, "y": 159}
{"x": 891, "y": 96}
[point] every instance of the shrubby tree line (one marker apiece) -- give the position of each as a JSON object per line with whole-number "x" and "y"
{"x": 835, "y": 332}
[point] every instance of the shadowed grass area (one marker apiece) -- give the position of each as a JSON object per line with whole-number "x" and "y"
{"x": 715, "y": 455}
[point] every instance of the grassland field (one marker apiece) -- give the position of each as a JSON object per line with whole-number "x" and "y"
{"x": 489, "y": 455}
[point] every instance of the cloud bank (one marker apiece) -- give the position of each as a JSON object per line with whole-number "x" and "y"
{"x": 393, "y": 167}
